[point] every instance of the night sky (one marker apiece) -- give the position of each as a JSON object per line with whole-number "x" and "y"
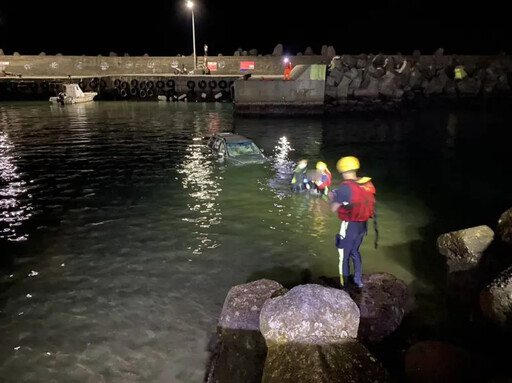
{"x": 163, "y": 28}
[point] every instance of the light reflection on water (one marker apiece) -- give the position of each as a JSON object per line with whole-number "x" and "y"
{"x": 137, "y": 233}
{"x": 203, "y": 186}
{"x": 14, "y": 207}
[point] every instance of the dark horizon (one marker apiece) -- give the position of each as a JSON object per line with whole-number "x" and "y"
{"x": 164, "y": 28}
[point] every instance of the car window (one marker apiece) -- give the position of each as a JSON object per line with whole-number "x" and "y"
{"x": 242, "y": 148}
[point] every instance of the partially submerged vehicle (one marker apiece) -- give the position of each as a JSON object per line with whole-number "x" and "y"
{"x": 236, "y": 149}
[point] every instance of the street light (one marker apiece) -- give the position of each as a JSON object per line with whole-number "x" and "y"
{"x": 190, "y": 5}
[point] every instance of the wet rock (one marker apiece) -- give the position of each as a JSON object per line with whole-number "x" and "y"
{"x": 42, "y": 54}
{"x": 244, "y": 53}
{"x": 496, "y": 300}
{"x": 382, "y": 304}
{"x": 253, "y": 52}
{"x": 16, "y": 54}
{"x": 1, "y": 52}
{"x": 278, "y": 50}
{"x": 236, "y": 53}
{"x": 463, "y": 250}
{"x": 504, "y": 227}
{"x": 309, "y": 51}
{"x": 416, "y": 55}
{"x": 323, "y": 50}
{"x": 299, "y": 54}
{"x": 112, "y": 54}
{"x": 309, "y": 314}
{"x": 344, "y": 362}
{"x": 432, "y": 361}
{"x": 240, "y": 354}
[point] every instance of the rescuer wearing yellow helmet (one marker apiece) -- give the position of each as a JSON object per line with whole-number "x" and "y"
{"x": 323, "y": 184}
{"x": 354, "y": 201}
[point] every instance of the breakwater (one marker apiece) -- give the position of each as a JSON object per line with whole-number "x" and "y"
{"x": 353, "y": 82}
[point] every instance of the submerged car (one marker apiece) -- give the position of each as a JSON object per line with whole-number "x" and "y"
{"x": 236, "y": 149}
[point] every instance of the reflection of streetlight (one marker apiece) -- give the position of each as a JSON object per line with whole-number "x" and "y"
{"x": 190, "y": 4}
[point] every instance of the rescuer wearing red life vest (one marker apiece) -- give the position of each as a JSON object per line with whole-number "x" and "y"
{"x": 354, "y": 200}
{"x": 324, "y": 183}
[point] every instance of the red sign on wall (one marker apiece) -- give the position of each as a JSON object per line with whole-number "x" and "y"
{"x": 212, "y": 66}
{"x": 246, "y": 65}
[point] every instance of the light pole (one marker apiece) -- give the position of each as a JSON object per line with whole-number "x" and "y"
{"x": 190, "y": 5}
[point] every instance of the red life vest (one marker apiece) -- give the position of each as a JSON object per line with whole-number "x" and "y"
{"x": 362, "y": 202}
{"x": 327, "y": 182}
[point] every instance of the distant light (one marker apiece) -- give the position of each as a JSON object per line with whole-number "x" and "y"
{"x": 286, "y": 59}
{"x": 190, "y": 4}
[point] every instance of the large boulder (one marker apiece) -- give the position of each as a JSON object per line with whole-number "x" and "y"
{"x": 240, "y": 352}
{"x": 432, "y": 361}
{"x": 309, "y": 314}
{"x": 496, "y": 300}
{"x": 343, "y": 362}
{"x": 504, "y": 227}
{"x": 463, "y": 250}
{"x": 331, "y": 52}
{"x": 382, "y": 305}
{"x": 278, "y": 50}
{"x": 253, "y": 52}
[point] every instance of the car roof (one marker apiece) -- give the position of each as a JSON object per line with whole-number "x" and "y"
{"x": 231, "y": 137}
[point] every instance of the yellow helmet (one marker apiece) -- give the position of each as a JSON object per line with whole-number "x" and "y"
{"x": 321, "y": 165}
{"x": 346, "y": 164}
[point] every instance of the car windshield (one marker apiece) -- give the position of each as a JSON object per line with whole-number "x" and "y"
{"x": 236, "y": 149}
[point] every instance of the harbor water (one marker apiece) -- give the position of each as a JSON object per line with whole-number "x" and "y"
{"x": 121, "y": 235}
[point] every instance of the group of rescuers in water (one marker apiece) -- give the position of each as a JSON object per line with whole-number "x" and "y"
{"x": 353, "y": 200}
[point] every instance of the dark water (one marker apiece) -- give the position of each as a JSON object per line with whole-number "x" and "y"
{"x": 120, "y": 236}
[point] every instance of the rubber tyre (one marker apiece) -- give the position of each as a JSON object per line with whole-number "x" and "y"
{"x": 160, "y": 84}
{"x": 201, "y": 84}
{"x": 134, "y": 83}
{"x": 191, "y": 84}
{"x": 212, "y": 84}
{"x": 223, "y": 84}
{"x": 171, "y": 84}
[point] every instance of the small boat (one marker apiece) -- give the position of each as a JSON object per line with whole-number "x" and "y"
{"x": 72, "y": 94}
